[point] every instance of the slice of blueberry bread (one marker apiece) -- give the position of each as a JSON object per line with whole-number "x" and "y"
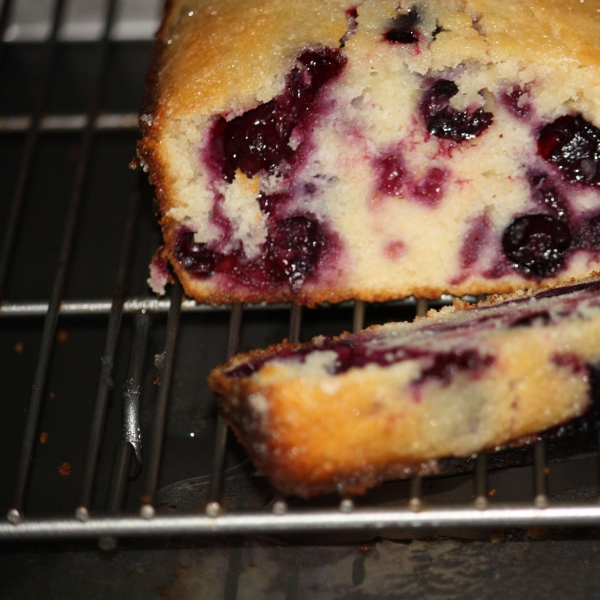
{"x": 344, "y": 414}
{"x": 332, "y": 149}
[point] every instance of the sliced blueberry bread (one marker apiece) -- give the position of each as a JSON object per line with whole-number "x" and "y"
{"x": 332, "y": 149}
{"x": 343, "y": 414}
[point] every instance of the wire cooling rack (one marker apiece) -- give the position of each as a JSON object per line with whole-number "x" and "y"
{"x": 124, "y": 498}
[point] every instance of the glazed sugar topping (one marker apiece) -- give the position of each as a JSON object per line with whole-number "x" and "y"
{"x": 443, "y": 346}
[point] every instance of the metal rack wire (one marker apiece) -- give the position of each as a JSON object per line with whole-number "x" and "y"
{"x": 112, "y": 523}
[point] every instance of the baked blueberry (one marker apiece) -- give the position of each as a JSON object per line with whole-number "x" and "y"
{"x": 259, "y": 139}
{"x": 293, "y": 249}
{"x": 515, "y": 99}
{"x": 195, "y": 258}
{"x": 391, "y": 175}
{"x": 545, "y": 193}
{"x": 573, "y": 145}
{"x": 403, "y": 28}
{"x": 589, "y": 234}
{"x": 537, "y": 245}
{"x": 445, "y": 122}
{"x": 351, "y": 16}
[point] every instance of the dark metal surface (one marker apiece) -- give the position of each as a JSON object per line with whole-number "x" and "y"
{"x": 49, "y": 57}
{"x": 162, "y": 401}
{"x": 515, "y": 566}
{"x": 50, "y": 323}
{"x": 233, "y": 344}
{"x": 105, "y": 382}
{"x": 132, "y": 431}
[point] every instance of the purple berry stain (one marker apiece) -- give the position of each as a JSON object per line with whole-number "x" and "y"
{"x": 195, "y": 257}
{"x": 540, "y": 317}
{"x": 271, "y": 203}
{"x": 437, "y": 366}
{"x": 394, "y": 179}
{"x": 588, "y": 236}
{"x": 516, "y": 102}
{"x": 441, "y": 366}
{"x": 359, "y": 350}
{"x": 293, "y": 249}
{"x": 537, "y": 245}
{"x": 547, "y": 195}
{"x": 445, "y": 122}
{"x": 391, "y": 175}
{"x": 446, "y": 365}
{"x": 430, "y": 188}
{"x": 394, "y": 250}
{"x": 159, "y": 263}
{"x": 403, "y": 28}
{"x": 351, "y": 17}
{"x": 259, "y": 139}
{"x": 474, "y": 242}
{"x": 572, "y": 144}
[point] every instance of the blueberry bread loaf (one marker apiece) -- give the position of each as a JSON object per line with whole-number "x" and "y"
{"x": 344, "y": 414}
{"x": 372, "y": 149}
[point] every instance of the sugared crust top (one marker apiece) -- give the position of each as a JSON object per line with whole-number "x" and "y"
{"x": 555, "y": 30}
{"x": 216, "y": 55}
{"x": 213, "y": 58}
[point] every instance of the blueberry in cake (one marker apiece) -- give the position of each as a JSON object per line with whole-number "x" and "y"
{"x": 332, "y": 149}
{"x": 343, "y": 414}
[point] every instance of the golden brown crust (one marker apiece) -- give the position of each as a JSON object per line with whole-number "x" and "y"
{"x": 514, "y": 28}
{"x": 217, "y": 59}
{"x": 498, "y": 296}
{"x": 208, "y": 291}
{"x": 148, "y": 147}
{"x": 218, "y": 378}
